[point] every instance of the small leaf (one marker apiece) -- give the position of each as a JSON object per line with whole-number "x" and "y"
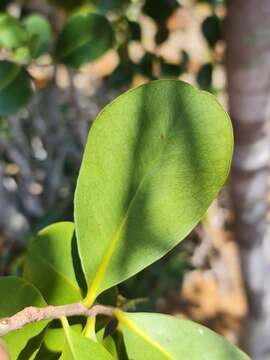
{"x": 49, "y": 264}
{"x": 160, "y": 10}
{"x": 155, "y": 159}
{"x": 162, "y": 34}
{"x": 15, "y": 88}
{"x": 211, "y": 28}
{"x": 162, "y": 337}
{"x": 84, "y": 38}
{"x": 12, "y": 33}
{"x": 40, "y": 32}
{"x": 123, "y": 74}
{"x": 145, "y": 67}
{"x": 78, "y": 347}
{"x": 184, "y": 61}
{"x": 169, "y": 70}
{"x": 204, "y": 77}
{"x": 17, "y": 294}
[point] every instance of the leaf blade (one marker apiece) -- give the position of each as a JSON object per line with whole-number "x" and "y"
{"x": 26, "y": 295}
{"x": 163, "y": 337}
{"x": 49, "y": 264}
{"x": 78, "y": 347}
{"x": 161, "y": 163}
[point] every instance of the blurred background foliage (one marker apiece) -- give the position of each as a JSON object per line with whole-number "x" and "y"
{"x": 61, "y": 61}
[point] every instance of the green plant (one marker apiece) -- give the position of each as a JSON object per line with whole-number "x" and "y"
{"x": 155, "y": 159}
{"x": 83, "y": 36}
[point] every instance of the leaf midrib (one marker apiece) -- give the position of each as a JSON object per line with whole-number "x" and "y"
{"x": 138, "y": 331}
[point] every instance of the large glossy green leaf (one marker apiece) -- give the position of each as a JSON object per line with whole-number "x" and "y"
{"x": 15, "y": 89}
{"x": 16, "y": 294}
{"x": 155, "y": 159}
{"x": 84, "y": 38}
{"x": 78, "y": 347}
{"x": 49, "y": 265}
{"x": 162, "y": 337}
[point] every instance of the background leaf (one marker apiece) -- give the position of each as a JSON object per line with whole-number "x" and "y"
{"x": 40, "y": 32}
{"x": 49, "y": 264}
{"x": 160, "y": 10}
{"x": 204, "y": 77}
{"x": 163, "y": 337}
{"x": 12, "y": 33}
{"x": 211, "y": 28}
{"x": 16, "y": 294}
{"x": 155, "y": 159}
{"x": 84, "y": 38}
{"x": 15, "y": 88}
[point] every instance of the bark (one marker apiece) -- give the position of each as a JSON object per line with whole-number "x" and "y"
{"x": 248, "y": 70}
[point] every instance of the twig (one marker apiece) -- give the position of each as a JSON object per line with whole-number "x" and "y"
{"x": 33, "y": 314}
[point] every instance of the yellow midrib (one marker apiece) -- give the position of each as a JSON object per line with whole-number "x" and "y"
{"x": 90, "y": 298}
{"x": 66, "y": 328}
{"x": 120, "y": 315}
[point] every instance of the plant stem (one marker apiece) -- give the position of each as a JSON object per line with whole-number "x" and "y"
{"x": 33, "y": 314}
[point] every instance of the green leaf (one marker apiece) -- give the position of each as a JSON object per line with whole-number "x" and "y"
{"x": 169, "y": 70}
{"x": 54, "y": 339}
{"x": 204, "y": 77}
{"x": 162, "y": 337}
{"x": 78, "y": 347}
{"x": 160, "y": 10}
{"x": 49, "y": 265}
{"x": 12, "y": 33}
{"x": 123, "y": 74}
{"x": 84, "y": 38}
{"x": 40, "y": 32}
{"x": 145, "y": 66}
{"x": 211, "y": 28}
{"x": 108, "y": 342}
{"x": 15, "y": 88}
{"x": 162, "y": 34}
{"x": 110, "y": 5}
{"x": 16, "y": 294}
{"x": 155, "y": 159}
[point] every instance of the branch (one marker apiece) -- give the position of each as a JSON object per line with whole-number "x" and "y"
{"x": 32, "y": 314}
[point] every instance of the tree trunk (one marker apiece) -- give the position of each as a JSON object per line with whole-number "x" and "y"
{"x": 248, "y": 70}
